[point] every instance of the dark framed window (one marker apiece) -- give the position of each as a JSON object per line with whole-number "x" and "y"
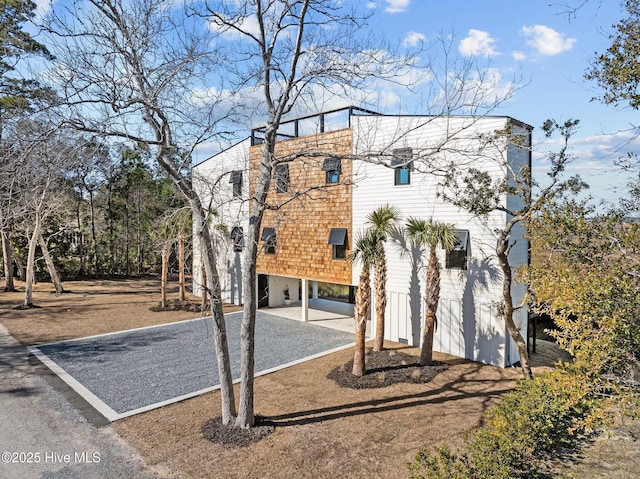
{"x": 281, "y": 174}
{"x": 237, "y": 236}
{"x": 269, "y": 238}
{"x": 338, "y": 239}
{"x": 402, "y": 164}
{"x": 457, "y": 257}
{"x": 236, "y": 181}
{"x": 332, "y": 168}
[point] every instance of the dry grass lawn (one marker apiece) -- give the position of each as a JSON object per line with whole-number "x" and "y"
{"x": 322, "y": 430}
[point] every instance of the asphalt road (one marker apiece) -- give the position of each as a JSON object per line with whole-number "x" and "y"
{"x": 43, "y": 436}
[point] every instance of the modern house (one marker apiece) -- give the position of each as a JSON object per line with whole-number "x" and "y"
{"x": 336, "y": 168}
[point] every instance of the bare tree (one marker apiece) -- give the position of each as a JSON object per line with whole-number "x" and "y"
{"x": 289, "y": 51}
{"x": 51, "y": 267}
{"x": 140, "y": 70}
{"x": 41, "y": 189}
{"x": 477, "y": 192}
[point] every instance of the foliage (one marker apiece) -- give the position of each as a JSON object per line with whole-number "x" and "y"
{"x": 521, "y": 434}
{"x": 617, "y": 71}
{"x": 16, "y": 92}
{"x": 482, "y": 194}
{"x": 589, "y": 285}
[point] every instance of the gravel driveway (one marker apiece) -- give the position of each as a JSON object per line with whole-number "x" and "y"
{"x": 133, "y": 371}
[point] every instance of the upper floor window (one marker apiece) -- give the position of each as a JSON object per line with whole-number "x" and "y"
{"x": 281, "y": 174}
{"x": 332, "y": 168}
{"x": 402, "y": 164}
{"x": 236, "y": 181}
{"x": 238, "y": 238}
{"x": 338, "y": 238}
{"x": 457, "y": 257}
{"x": 269, "y": 238}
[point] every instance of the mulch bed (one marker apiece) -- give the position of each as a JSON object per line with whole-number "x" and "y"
{"x": 385, "y": 368}
{"x": 177, "y": 305}
{"x": 230, "y": 436}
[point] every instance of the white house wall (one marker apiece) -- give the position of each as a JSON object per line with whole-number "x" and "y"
{"x": 468, "y": 323}
{"x": 211, "y": 180}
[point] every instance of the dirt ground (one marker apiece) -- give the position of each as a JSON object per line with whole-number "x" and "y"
{"x": 321, "y": 429}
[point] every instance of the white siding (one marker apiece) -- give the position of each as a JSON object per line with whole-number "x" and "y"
{"x": 468, "y": 325}
{"x": 211, "y": 181}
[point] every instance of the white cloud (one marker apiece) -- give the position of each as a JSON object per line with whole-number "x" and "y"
{"x": 519, "y": 56}
{"x": 247, "y": 24}
{"x": 372, "y": 5}
{"x": 397, "y": 6}
{"x": 42, "y": 8}
{"x": 413, "y": 38}
{"x": 477, "y": 42}
{"x": 546, "y": 40}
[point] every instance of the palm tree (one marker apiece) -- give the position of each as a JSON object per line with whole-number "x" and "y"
{"x": 382, "y": 220}
{"x": 429, "y": 233}
{"x": 364, "y": 251}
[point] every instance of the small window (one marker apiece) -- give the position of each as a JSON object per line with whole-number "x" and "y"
{"x": 402, "y": 164}
{"x": 281, "y": 175}
{"x": 332, "y": 168}
{"x": 238, "y": 238}
{"x": 457, "y": 257}
{"x": 269, "y": 238}
{"x": 338, "y": 239}
{"x": 236, "y": 181}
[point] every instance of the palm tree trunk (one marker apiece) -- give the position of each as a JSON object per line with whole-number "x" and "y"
{"x": 431, "y": 304}
{"x": 363, "y": 303}
{"x": 381, "y": 297}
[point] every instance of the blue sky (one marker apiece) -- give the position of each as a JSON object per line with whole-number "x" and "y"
{"x": 551, "y": 50}
{"x": 536, "y": 40}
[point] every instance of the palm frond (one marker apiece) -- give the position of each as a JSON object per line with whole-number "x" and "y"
{"x": 383, "y": 218}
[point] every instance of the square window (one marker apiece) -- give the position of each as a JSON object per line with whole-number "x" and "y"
{"x": 339, "y": 251}
{"x": 402, "y": 176}
{"x": 269, "y": 238}
{"x": 333, "y": 168}
{"x": 402, "y": 164}
{"x": 236, "y": 181}
{"x": 333, "y": 177}
{"x": 238, "y": 238}
{"x": 281, "y": 174}
{"x": 338, "y": 239}
{"x": 457, "y": 257}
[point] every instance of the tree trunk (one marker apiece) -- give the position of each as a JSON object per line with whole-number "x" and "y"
{"x": 30, "y": 276}
{"x": 246, "y": 417}
{"x": 502, "y": 250}
{"x": 163, "y": 277}
{"x": 381, "y": 297}
{"x": 55, "y": 278}
{"x": 7, "y": 258}
{"x": 183, "y": 295}
{"x": 207, "y": 252}
{"x": 204, "y": 288}
{"x": 361, "y": 313}
{"x": 19, "y": 267}
{"x": 432, "y": 296}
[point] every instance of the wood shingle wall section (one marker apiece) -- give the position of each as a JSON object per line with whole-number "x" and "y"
{"x": 310, "y": 209}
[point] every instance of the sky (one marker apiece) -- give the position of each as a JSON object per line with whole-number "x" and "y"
{"x": 535, "y": 40}
{"x": 551, "y": 51}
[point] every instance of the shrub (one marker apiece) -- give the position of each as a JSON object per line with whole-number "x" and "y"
{"x": 531, "y": 423}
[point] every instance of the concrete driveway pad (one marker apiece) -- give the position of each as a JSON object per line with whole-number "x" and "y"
{"x": 133, "y": 371}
